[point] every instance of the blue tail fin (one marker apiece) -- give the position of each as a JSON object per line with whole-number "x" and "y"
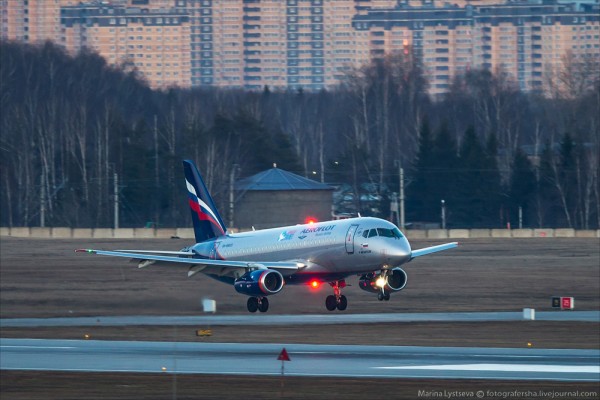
{"x": 207, "y": 221}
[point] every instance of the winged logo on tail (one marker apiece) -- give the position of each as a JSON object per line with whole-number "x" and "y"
{"x": 207, "y": 222}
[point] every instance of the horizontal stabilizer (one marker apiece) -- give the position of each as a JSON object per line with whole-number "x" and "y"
{"x": 433, "y": 249}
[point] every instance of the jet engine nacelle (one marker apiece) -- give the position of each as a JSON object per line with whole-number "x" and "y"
{"x": 261, "y": 282}
{"x": 394, "y": 282}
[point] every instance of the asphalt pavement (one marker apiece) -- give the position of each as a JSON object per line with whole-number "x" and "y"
{"x": 306, "y": 360}
{"x": 302, "y": 319}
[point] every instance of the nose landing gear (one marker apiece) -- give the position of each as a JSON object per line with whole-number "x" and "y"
{"x": 383, "y": 295}
{"x": 337, "y": 300}
{"x": 381, "y": 283}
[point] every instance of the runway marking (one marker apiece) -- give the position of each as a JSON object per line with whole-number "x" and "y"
{"x": 588, "y": 369}
{"x": 37, "y": 347}
{"x": 478, "y": 317}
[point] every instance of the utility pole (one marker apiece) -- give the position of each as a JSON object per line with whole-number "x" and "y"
{"x": 394, "y": 213}
{"x": 401, "y": 198}
{"x": 116, "y": 200}
{"x": 42, "y": 202}
{"x": 156, "y": 150}
{"x": 156, "y": 183}
{"x": 443, "y": 214}
{"x": 231, "y": 193}
{"x": 402, "y": 218}
{"x": 520, "y": 217}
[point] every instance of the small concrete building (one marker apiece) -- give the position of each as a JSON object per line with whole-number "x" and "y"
{"x": 278, "y": 198}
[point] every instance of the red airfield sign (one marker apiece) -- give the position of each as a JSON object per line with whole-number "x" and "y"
{"x": 283, "y": 356}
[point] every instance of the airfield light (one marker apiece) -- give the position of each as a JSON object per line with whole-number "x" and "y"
{"x": 380, "y": 282}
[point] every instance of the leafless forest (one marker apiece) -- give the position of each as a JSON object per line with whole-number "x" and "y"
{"x": 70, "y": 124}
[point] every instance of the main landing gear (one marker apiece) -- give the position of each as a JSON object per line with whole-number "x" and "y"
{"x": 258, "y": 304}
{"x": 337, "y": 300}
{"x": 383, "y": 296}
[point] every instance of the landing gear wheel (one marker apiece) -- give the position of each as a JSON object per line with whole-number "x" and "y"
{"x": 380, "y": 296}
{"x": 386, "y": 296}
{"x": 263, "y": 304}
{"x": 252, "y": 304}
{"x": 330, "y": 302}
{"x": 337, "y": 300}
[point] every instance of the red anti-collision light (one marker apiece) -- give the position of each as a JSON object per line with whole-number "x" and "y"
{"x": 310, "y": 220}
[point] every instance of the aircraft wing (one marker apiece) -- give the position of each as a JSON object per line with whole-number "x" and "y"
{"x": 432, "y": 249}
{"x": 146, "y": 258}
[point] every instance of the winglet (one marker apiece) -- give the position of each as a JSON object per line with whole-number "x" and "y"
{"x": 433, "y": 249}
{"x": 85, "y": 251}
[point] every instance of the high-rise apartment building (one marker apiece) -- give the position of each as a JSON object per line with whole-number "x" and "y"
{"x": 31, "y": 20}
{"x": 153, "y": 41}
{"x": 277, "y": 43}
{"x": 524, "y": 39}
{"x": 313, "y": 43}
{"x": 152, "y": 37}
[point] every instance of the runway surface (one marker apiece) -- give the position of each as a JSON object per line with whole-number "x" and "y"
{"x": 306, "y": 360}
{"x": 306, "y": 319}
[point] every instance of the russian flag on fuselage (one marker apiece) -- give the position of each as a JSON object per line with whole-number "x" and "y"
{"x": 205, "y": 217}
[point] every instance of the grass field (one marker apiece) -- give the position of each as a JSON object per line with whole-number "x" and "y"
{"x": 45, "y": 278}
{"x": 17, "y": 385}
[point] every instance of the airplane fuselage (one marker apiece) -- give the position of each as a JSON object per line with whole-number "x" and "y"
{"x": 259, "y": 263}
{"x": 328, "y": 250}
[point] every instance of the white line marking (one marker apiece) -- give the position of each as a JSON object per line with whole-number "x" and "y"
{"x": 588, "y": 369}
{"x": 37, "y": 347}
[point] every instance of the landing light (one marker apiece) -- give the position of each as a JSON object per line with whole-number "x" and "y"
{"x": 380, "y": 282}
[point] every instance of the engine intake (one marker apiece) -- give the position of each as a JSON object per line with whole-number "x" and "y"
{"x": 394, "y": 282}
{"x": 262, "y": 282}
{"x": 397, "y": 280}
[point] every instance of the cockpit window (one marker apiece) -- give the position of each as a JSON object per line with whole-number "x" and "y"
{"x": 385, "y": 232}
{"x": 392, "y": 233}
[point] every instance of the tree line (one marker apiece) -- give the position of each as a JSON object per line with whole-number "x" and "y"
{"x": 68, "y": 124}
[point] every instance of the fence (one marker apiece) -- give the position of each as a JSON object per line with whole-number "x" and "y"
{"x": 188, "y": 233}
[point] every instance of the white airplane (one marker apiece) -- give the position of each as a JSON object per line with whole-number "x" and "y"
{"x": 260, "y": 263}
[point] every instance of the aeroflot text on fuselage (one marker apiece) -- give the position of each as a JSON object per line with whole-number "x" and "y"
{"x": 319, "y": 229}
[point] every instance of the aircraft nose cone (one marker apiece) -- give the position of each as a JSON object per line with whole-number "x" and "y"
{"x": 399, "y": 253}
